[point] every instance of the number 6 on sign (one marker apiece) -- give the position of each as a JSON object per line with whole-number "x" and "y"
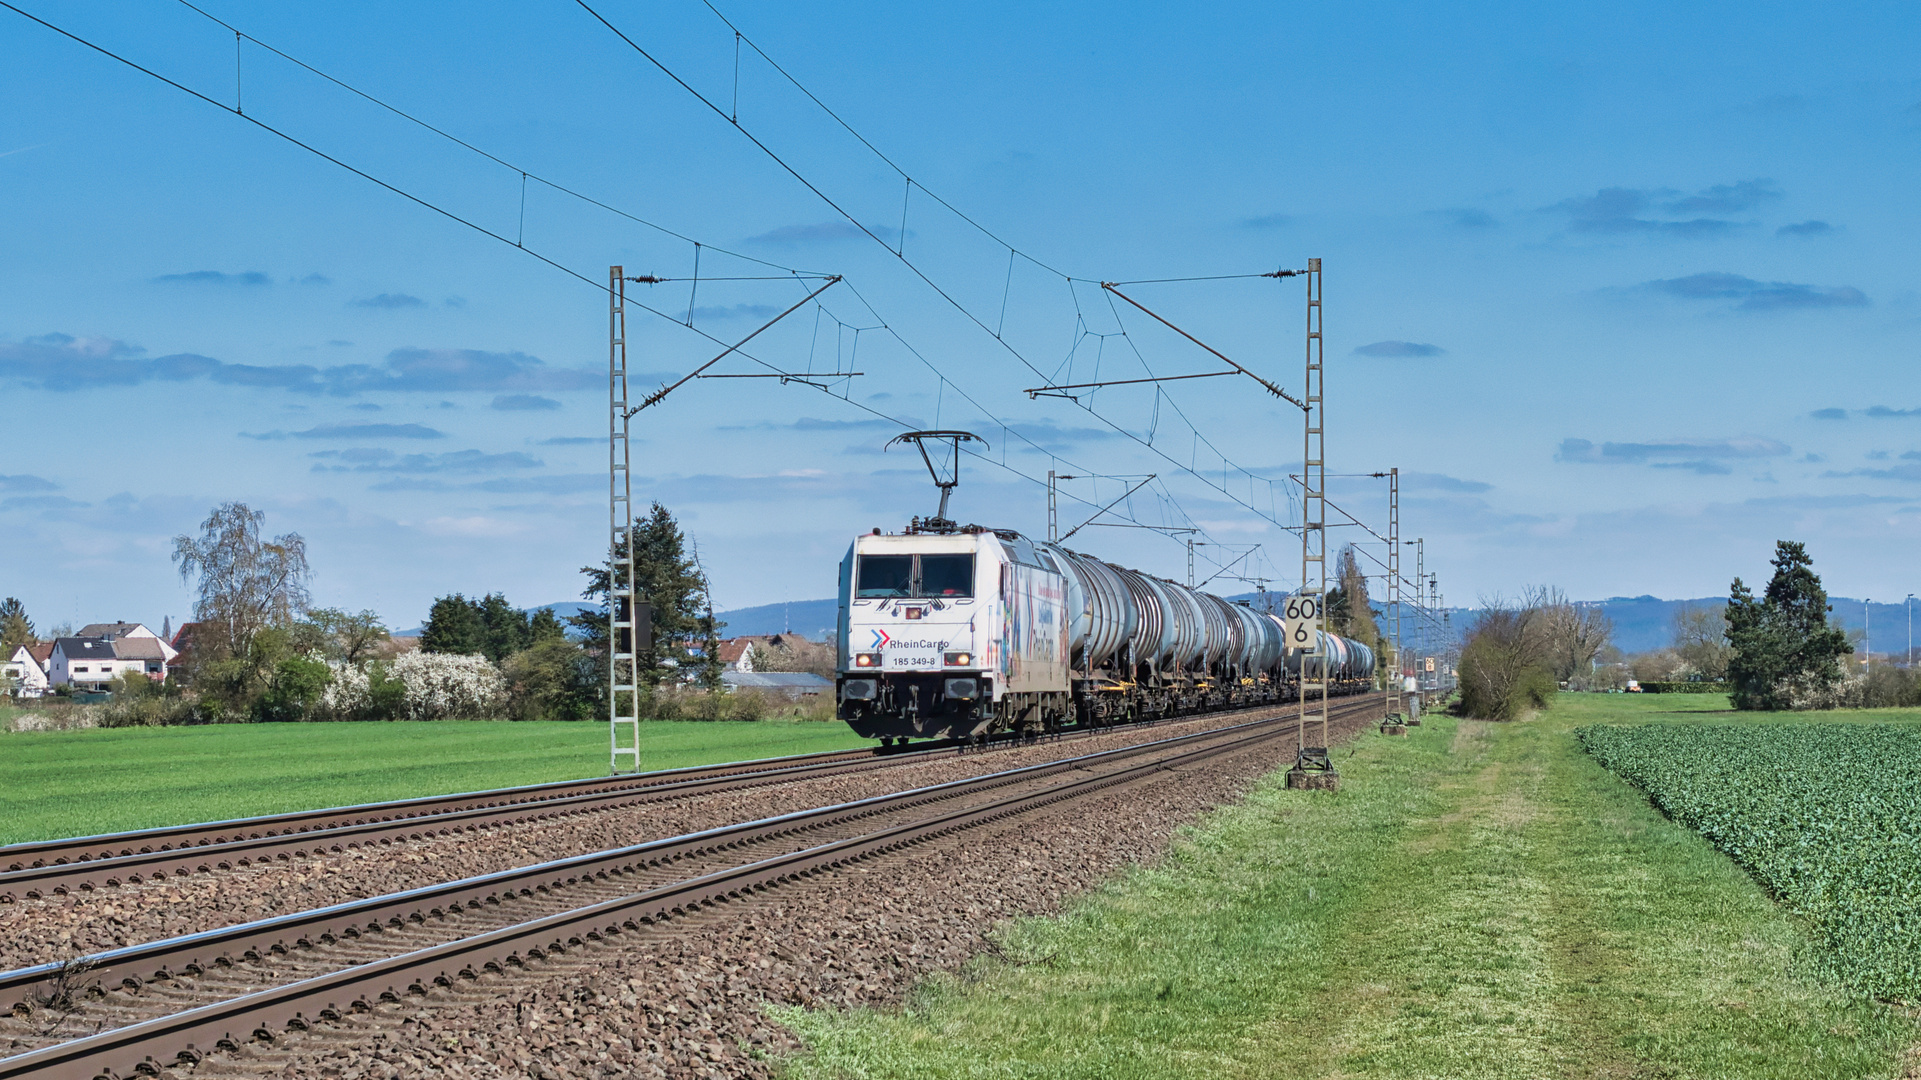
{"x": 1303, "y": 618}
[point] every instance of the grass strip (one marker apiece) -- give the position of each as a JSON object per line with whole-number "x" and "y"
{"x": 76, "y": 783}
{"x": 1477, "y": 901}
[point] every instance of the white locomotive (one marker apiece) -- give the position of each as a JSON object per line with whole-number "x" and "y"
{"x": 952, "y": 632}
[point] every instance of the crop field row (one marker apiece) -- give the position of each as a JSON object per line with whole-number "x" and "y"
{"x": 1826, "y": 816}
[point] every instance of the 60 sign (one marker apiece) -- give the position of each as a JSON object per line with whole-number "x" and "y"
{"x": 1303, "y": 615}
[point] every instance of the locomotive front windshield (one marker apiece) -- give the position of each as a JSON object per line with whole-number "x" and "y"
{"x": 913, "y": 576}
{"x": 946, "y": 575}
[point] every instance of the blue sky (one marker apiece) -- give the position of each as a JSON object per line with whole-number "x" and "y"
{"x": 1626, "y": 291}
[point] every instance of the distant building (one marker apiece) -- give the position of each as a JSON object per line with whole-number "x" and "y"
{"x": 793, "y": 685}
{"x": 26, "y": 670}
{"x": 85, "y": 663}
{"x": 737, "y": 654}
{"x": 102, "y": 652}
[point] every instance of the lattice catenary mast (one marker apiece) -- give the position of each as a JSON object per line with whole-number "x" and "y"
{"x": 623, "y": 716}
{"x": 1312, "y": 765}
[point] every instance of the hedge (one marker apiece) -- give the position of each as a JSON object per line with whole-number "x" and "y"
{"x": 1685, "y": 688}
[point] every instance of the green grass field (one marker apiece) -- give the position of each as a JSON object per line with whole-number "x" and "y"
{"x": 76, "y": 783}
{"x": 1478, "y": 900}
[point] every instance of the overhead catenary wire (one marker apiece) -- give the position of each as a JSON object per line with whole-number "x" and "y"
{"x": 519, "y": 242}
{"x": 525, "y": 175}
{"x": 899, "y": 251}
{"x": 450, "y": 137}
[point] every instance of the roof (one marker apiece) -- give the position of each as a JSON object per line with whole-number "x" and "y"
{"x": 732, "y": 650}
{"x": 140, "y": 648}
{"x": 111, "y": 629}
{"x": 84, "y": 648}
{"x": 41, "y": 652}
{"x": 776, "y": 680}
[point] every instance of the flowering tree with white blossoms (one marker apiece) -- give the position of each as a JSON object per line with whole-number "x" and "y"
{"x": 444, "y": 686}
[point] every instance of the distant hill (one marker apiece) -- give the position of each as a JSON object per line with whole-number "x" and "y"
{"x": 809, "y": 618}
{"x": 1641, "y": 623}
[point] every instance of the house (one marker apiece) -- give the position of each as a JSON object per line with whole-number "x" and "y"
{"x": 737, "y": 654}
{"x": 792, "y": 685}
{"x": 86, "y": 663}
{"x": 134, "y": 642}
{"x": 25, "y": 671}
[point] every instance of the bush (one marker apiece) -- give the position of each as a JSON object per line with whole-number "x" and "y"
{"x": 140, "y": 702}
{"x": 692, "y": 703}
{"x": 443, "y": 686}
{"x": 1670, "y": 687}
{"x": 1504, "y": 669}
{"x": 552, "y": 680}
{"x": 294, "y": 690}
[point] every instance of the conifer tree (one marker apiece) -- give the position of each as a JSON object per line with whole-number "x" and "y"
{"x": 669, "y": 579}
{"x": 1782, "y": 644}
{"x": 15, "y": 628}
{"x": 454, "y": 626}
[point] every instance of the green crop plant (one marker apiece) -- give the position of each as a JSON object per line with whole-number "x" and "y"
{"x": 1826, "y": 816}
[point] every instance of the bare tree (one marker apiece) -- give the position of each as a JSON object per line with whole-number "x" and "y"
{"x": 1701, "y": 639}
{"x": 1572, "y": 634}
{"x": 246, "y": 584}
{"x": 1506, "y": 666}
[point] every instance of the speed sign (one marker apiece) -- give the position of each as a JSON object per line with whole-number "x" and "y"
{"x": 1303, "y": 616}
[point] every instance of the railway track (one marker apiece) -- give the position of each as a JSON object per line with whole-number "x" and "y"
{"x": 57, "y": 867}
{"x": 175, "y": 1001}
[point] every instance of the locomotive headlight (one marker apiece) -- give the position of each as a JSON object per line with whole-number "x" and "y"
{"x": 957, "y": 659}
{"x": 867, "y": 659}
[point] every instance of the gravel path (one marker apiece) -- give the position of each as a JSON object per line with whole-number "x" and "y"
{"x": 60, "y": 927}
{"x": 689, "y": 999}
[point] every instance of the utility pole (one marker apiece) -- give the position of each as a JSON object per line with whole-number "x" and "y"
{"x": 1910, "y": 631}
{"x": 1867, "y": 634}
{"x": 1191, "y": 545}
{"x": 623, "y": 715}
{"x": 1313, "y": 768}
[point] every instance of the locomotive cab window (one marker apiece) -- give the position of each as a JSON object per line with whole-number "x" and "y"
{"x": 889, "y": 576}
{"x": 885, "y": 576}
{"x": 947, "y": 575}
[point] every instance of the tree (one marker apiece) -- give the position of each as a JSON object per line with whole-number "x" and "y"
{"x": 1781, "y": 644}
{"x": 454, "y": 626}
{"x": 503, "y": 627}
{"x": 245, "y": 584}
{"x": 1349, "y": 612}
{"x": 553, "y": 679}
{"x": 1701, "y": 640}
{"x": 489, "y": 626}
{"x": 1506, "y": 667}
{"x": 1572, "y": 634}
{"x": 15, "y": 628}
{"x": 350, "y": 639}
{"x": 670, "y": 580}
{"x": 545, "y": 626}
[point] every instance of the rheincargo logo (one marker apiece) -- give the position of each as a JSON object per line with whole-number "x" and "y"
{"x": 933, "y": 646}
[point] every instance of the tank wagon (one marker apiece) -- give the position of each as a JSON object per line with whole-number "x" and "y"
{"x": 968, "y": 631}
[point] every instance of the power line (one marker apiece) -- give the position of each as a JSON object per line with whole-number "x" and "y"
{"x": 526, "y": 175}
{"x": 519, "y": 244}
{"x": 733, "y": 121}
{"x": 457, "y": 140}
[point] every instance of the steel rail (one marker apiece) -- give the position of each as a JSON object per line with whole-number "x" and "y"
{"x": 56, "y": 867}
{"x": 132, "y": 966}
{"x": 297, "y": 1006}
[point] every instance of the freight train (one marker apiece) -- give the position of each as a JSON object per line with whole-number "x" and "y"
{"x": 965, "y": 631}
